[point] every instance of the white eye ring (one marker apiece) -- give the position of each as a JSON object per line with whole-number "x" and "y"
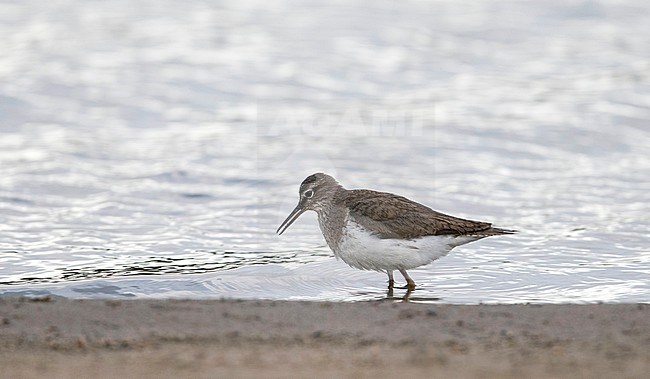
{"x": 309, "y": 193}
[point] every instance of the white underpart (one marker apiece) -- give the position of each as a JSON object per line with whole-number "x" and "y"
{"x": 364, "y": 250}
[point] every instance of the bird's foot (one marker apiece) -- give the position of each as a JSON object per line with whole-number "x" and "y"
{"x": 410, "y": 284}
{"x": 407, "y": 287}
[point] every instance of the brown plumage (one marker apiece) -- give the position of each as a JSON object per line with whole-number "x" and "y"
{"x": 393, "y": 216}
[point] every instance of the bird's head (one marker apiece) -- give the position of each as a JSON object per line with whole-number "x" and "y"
{"x": 315, "y": 192}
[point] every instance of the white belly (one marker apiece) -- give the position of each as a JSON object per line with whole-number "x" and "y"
{"x": 361, "y": 249}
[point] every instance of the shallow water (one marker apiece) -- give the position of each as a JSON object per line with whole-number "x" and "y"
{"x": 152, "y": 150}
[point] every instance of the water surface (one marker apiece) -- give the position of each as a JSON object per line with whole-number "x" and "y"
{"x": 151, "y": 150}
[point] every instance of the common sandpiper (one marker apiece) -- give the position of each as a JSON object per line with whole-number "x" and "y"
{"x": 380, "y": 231}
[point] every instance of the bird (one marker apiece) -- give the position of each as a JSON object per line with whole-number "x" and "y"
{"x": 381, "y": 231}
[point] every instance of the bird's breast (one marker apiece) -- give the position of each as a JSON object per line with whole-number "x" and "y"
{"x": 332, "y": 225}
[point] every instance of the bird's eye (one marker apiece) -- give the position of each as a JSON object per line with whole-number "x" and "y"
{"x": 309, "y": 193}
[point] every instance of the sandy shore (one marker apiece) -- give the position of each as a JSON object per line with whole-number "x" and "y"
{"x": 171, "y": 339}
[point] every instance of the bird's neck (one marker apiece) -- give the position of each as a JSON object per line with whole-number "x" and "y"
{"x": 331, "y": 219}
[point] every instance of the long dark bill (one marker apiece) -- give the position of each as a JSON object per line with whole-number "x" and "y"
{"x": 293, "y": 216}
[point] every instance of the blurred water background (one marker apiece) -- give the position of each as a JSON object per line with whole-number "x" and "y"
{"x": 151, "y": 148}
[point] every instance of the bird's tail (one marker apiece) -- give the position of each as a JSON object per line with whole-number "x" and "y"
{"x": 497, "y": 231}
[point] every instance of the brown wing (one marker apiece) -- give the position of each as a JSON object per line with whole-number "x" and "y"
{"x": 395, "y": 216}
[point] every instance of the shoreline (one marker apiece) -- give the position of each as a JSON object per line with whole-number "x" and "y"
{"x": 202, "y": 338}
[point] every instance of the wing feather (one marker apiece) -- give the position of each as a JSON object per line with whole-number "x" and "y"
{"x": 393, "y": 216}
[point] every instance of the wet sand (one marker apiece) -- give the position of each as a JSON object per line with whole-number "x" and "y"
{"x": 173, "y": 338}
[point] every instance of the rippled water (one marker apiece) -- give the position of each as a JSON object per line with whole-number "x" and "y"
{"x": 151, "y": 150}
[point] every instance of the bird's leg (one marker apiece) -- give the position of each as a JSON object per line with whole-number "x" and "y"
{"x": 410, "y": 284}
{"x": 391, "y": 281}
